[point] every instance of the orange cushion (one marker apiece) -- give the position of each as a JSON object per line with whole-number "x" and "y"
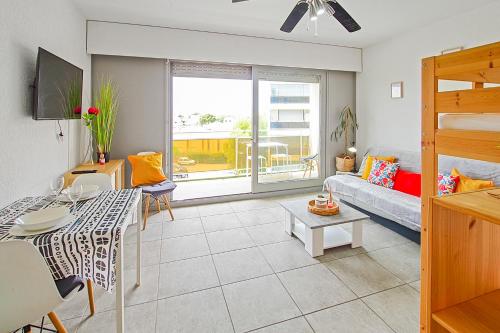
{"x": 146, "y": 169}
{"x": 369, "y": 163}
{"x": 466, "y": 184}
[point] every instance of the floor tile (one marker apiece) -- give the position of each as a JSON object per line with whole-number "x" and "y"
{"x": 402, "y": 260}
{"x": 315, "y": 287}
{"x": 398, "y": 307}
{"x": 244, "y": 205}
{"x": 76, "y": 307}
{"x": 202, "y": 311}
{"x": 287, "y": 255}
{"x": 184, "y": 276}
{"x": 376, "y": 237}
{"x": 215, "y": 209}
{"x": 297, "y": 325}
{"x": 155, "y": 217}
{"x": 181, "y": 213}
{"x": 228, "y": 240}
{"x": 241, "y": 265}
{"x": 261, "y": 216}
{"x": 151, "y": 233}
{"x": 184, "y": 227}
{"x": 340, "y": 252}
{"x": 220, "y": 222}
{"x": 258, "y": 302}
{"x": 146, "y": 292}
{"x": 363, "y": 275}
{"x": 184, "y": 248}
{"x": 268, "y": 233}
{"x": 415, "y": 285}
{"x": 353, "y": 317}
{"x": 138, "y": 318}
{"x": 150, "y": 254}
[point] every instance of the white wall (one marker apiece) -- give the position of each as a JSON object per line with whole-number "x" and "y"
{"x": 107, "y": 38}
{"x": 396, "y": 122}
{"x": 30, "y": 153}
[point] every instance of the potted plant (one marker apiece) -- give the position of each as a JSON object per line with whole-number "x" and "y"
{"x": 347, "y": 124}
{"x": 106, "y": 101}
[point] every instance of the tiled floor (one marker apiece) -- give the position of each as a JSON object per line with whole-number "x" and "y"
{"x": 231, "y": 268}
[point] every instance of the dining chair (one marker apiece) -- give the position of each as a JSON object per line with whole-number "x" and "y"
{"x": 156, "y": 192}
{"x": 100, "y": 179}
{"x": 28, "y": 290}
{"x": 105, "y": 184}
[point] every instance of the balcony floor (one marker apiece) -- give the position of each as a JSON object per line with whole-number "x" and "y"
{"x": 206, "y": 188}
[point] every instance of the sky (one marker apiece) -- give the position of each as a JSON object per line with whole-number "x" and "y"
{"x": 219, "y": 97}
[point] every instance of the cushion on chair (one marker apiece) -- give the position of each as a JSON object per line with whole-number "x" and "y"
{"x": 147, "y": 169}
{"x": 159, "y": 189}
{"x": 67, "y": 285}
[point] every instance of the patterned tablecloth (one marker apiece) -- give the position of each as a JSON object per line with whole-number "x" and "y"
{"x": 86, "y": 247}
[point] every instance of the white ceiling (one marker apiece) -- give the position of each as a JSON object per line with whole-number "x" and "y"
{"x": 379, "y": 19}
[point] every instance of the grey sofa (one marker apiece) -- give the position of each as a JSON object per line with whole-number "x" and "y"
{"x": 394, "y": 205}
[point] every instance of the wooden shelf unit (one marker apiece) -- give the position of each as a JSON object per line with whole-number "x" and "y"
{"x": 479, "y": 315}
{"x": 114, "y": 168}
{"x": 478, "y": 66}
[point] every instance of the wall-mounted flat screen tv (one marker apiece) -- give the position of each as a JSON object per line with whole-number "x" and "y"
{"x": 57, "y": 88}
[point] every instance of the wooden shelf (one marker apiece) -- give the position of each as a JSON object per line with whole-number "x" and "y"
{"x": 479, "y": 315}
{"x": 478, "y": 203}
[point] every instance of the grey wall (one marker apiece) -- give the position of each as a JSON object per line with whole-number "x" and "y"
{"x": 30, "y": 153}
{"x": 141, "y": 120}
{"x": 341, "y": 92}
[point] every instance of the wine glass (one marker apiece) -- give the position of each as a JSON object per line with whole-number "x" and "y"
{"x": 56, "y": 186}
{"x": 74, "y": 194}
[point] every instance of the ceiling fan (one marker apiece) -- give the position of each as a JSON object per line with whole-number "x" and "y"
{"x": 317, "y": 8}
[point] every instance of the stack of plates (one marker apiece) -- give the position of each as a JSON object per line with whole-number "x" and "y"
{"x": 89, "y": 192}
{"x": 42, "y": 221}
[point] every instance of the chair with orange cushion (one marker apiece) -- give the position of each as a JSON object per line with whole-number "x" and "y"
{"x": 147, "y": 174}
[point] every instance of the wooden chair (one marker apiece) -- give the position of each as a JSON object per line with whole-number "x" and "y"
{"x": 28, "y": 291}
{"x": 157, "y": 192}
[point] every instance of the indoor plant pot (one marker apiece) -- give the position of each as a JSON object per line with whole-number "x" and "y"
{"x": 106, "y": 156}
{"x": 344, "y": 163}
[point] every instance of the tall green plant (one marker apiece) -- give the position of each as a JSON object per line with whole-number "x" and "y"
{"x": 347, "y": 123}
{"x": 106, "y": 100}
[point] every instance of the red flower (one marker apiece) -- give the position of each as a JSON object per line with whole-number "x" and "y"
{"x": 93, "y": 110}
{"x": 77, "y": 110}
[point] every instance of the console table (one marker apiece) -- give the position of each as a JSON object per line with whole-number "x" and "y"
{"x": 114, "y": 168}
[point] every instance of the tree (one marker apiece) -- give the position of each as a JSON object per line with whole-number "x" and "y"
{"x": 207, "y": 118}
{"x": 243, "y": 128}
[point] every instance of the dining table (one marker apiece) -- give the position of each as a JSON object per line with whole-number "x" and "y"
{"x": 91, "y": 246}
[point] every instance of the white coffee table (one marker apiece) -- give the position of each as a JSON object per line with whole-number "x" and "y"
{"x": 323, "y": 232}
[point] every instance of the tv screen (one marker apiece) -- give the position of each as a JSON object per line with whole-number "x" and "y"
{"x": 58, "y": 88}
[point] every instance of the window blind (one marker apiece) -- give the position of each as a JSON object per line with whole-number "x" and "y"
{"x": 210, "y": 70}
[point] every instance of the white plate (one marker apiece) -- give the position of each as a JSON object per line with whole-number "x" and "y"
{"x": 16, "y": 230}
{"x": 64, "y": 197}
{"x": 42, "y": 219}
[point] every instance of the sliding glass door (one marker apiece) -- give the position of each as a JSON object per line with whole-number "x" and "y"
{"x": 288, "y": 128}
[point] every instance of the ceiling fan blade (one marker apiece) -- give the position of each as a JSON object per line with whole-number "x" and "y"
{"x": 342, "y": 16}
{"x": 234, "y": 1}
{"x": 297, "y": 13}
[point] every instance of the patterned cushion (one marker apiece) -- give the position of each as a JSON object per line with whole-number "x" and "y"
{"x": 383, "y": 173}
{"x": 447, "y": 184}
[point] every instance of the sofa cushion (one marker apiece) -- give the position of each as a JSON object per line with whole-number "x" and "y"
{"x": 383, "y": 173}
{"x": 408, "y": 182}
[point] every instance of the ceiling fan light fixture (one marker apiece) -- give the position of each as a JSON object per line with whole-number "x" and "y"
{"x": 320, "y": 6}
{"x": 313, "y": 14}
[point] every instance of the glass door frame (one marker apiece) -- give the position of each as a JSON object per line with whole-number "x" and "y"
{"x": 267, "y": 73}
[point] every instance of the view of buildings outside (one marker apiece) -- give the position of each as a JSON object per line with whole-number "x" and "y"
{"x": 212, "y": 127}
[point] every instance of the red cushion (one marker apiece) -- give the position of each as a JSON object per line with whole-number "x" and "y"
{"x": 408, "y": 182}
